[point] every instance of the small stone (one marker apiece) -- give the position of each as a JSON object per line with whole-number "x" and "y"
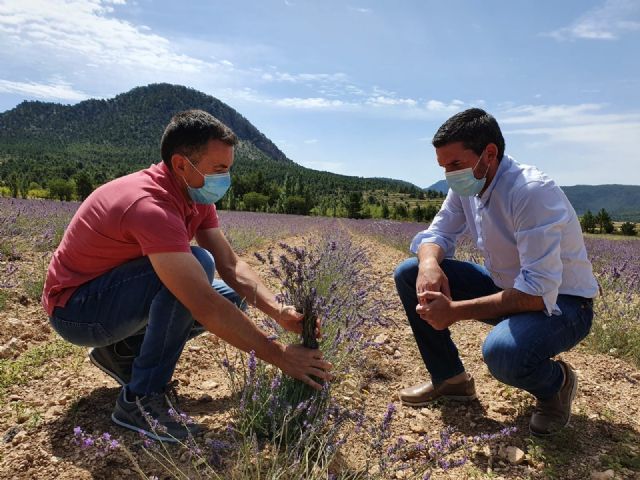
{"x": 194, "y": 348}
{"x": 54, "y": 459}
{"x": 514, "y": 455}
{"x": 53, "y": 412}
{"x": 397, "y": 354}
{"x": 389, "y": 349}
{"x": 19, "y": 438}
{"x": 14, "y": 321}
{"x": 5, "y": 352}
{"x": 14, "y": 398}
{"x": 381, "y": 339}
{"x": 66, "y": 382}
{"x": 606, "y": 475}
{"x": 209, "y": 385}
{"x": 486, "y": 451}
{"x": 635, "y": 376}
{"x": 417, "y": 427}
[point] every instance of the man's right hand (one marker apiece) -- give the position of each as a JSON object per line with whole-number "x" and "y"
{"x": 301, "y": 363}
{"x": 431, "y": 278}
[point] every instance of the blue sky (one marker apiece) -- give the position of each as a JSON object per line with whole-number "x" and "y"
{"x": 358, "y": 87}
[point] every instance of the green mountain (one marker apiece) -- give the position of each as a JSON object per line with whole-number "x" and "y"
{"x": 104, "y": 139}
{"x": 621, "y": 201}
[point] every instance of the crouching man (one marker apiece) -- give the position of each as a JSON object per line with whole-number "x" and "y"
{"x": 126, "y": 280}
{"x": 536, "y": 285}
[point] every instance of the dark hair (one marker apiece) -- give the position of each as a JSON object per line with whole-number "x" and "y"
{"x": 475, "y": 128}
{"x": 190, "y": 131}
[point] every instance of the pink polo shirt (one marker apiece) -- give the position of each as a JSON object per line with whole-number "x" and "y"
{"x": 128, "y": 218}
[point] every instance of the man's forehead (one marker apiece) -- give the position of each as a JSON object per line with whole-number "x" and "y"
{"x": 451, "y": 152}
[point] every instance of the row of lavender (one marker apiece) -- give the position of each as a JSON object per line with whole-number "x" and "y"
{"x": 283, "y": 429}
{"x": 35, "y": 225}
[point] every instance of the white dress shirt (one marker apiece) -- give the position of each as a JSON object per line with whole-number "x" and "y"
{"x": 527, "y": 231}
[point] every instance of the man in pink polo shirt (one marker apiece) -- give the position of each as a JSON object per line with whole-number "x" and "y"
{"x": 126, "y": 280}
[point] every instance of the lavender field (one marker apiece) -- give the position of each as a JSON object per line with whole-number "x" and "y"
{"x": 56, "y": 406}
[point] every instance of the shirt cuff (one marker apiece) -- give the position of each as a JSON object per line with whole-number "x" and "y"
{"x": 549, "y": 298}
{"x": 419, "y": 240}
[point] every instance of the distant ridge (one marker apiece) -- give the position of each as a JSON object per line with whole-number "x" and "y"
{"x": 108, "y": 138}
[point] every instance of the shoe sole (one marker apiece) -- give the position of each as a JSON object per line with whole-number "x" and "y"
{"x": 574, "y": 391}
{"x": 105, "y": 370}
{"x": 147, "y": 433}
{"x": 455, "y": 398}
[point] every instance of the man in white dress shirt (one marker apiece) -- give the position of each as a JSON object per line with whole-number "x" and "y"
{"x": 536, "y": 285}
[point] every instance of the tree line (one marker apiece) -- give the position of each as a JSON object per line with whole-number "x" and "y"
{"x": 601, "y": 223}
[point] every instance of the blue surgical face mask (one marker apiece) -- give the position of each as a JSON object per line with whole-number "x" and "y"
{"x": 214, "y": 188}
{"x": 464, "y": 182}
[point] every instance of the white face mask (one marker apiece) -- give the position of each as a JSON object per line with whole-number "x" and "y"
{"x": 464, "y": 182}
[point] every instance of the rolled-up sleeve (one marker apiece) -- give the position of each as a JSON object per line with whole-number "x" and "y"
{"x": 445, "y": 228}
{"x": 540, "y": 213}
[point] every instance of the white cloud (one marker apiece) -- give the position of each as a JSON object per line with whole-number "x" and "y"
{"x": 360, "y": 9}
{"x": 59, "y": 91}
{"x": 438, "y": 106}
{"x": 607, "y": 22}
{"x": 381, "y": 100}
{"x": 308, "y": 103}
{"x": 83, "y": 29}
{"x": 574, "y": 143}
{"x": 559, "y": 115}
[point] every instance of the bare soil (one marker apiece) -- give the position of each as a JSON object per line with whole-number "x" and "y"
{"x": 37, "y": 417}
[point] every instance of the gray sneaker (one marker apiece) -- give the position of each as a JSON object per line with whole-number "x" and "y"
{"x": 154, "y": 415}
{"x": 116, "y": 365}
{"x": 553, "y": 414}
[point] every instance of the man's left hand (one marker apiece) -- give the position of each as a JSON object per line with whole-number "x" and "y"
{"x": 437, "y": 311}
{"x": 289, "y": 319}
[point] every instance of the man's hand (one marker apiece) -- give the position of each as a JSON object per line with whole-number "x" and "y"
{"x": 431, "y": 278}
{"x": 436, "y": 309}
{"x": 300, "y": 362}
{"x": 291, "y": 320}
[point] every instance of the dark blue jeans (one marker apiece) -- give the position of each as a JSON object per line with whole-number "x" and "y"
{"x": 129, "y": 305}
{"x": 518, "y": 350}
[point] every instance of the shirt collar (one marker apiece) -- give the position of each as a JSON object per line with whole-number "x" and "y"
{"x": 503, "y": 166}
{"x": 176, "y": 188}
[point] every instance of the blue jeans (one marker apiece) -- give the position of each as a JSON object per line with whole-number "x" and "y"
{"x": 517, "y": 351}
{"x": 130, "y": 306}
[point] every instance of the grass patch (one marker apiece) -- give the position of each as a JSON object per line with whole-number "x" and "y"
{"x": 616, "y": 329}
{"x": 32, "y": 364}
{"x": 624, "y": 454}
{"x": 554, "y": 453}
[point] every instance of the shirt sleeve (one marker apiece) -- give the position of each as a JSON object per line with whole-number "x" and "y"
{"x": 156, "y": 226}
{"x": 540, "y": 214}
{"x": 210, "y": 217}
{"x": 445, "y": 228}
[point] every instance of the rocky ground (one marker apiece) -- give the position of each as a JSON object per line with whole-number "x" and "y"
{"x": 51, "y": 388}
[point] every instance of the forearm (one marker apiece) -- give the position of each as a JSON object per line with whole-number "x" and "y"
{"x": 245, "y": 281}
{"x": 223, "y": 319}
{"x": 430, "y": 252}
{"x": 499, "y": 304}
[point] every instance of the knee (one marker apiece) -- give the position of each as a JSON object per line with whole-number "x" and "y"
{"x": 406, "y": 274}
{"x": 206, "y": 260}
{"x": 503, "y": 358}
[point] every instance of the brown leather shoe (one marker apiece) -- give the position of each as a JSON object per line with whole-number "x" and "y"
{"x": 553, "y": 414}
{"x": 425, "y": 393}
